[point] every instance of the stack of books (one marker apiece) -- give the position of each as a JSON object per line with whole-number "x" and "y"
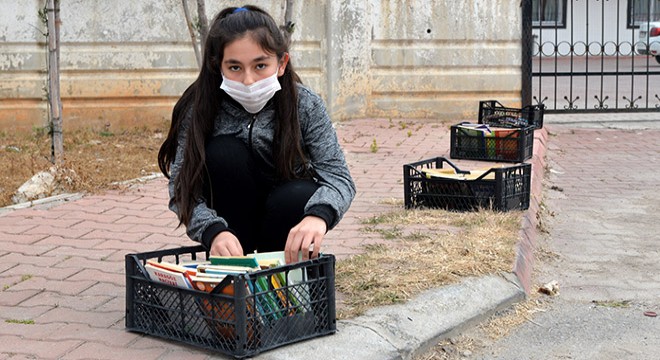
{"x": 275, "y": 294}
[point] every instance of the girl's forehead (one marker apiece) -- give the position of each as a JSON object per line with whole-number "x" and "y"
{"x": 245, "y": 49}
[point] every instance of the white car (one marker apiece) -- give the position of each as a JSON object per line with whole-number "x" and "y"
{"x": 648, "y": 39}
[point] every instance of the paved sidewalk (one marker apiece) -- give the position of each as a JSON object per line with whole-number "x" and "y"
{"x": 62, "y": 262}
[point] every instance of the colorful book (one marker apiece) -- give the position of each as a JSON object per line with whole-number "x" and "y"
{"x": 245, "y": 261}
{"x": 225, "y": 269}
{"x": 188, "y": 270}
{"x": 165, "y": 276}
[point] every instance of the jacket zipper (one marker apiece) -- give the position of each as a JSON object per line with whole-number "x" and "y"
{"x": 254, "y": 118}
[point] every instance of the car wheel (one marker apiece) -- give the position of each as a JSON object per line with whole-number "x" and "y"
{"x": 657, "y": 58}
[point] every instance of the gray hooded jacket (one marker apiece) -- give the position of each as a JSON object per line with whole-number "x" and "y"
{"x": 337, "y": 189}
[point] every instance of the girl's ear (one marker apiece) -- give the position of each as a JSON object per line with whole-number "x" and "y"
{"x": 282, "y": 65}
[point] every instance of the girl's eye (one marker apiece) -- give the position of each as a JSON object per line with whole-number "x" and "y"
{"x": 261, "y": 66}
{"x": 234, "y": 68}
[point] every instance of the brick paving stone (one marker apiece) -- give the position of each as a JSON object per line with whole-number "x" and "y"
{"x": 115, "y": 304}
{"x": 64, "y": 232}
{"x": 82, "y": 215}
{"x": 169, "y": 222}
{"x": 187, "y": 355}
{"x": 69, "y": 242}
{"x": 93, "y": 254}
{"x": 107, "y": 336}
{"x": 4, "y": 266}
{"x": 9, "y": 226}
{"x": 149, "y": 342}
{"x": 10, "y": 297}
{"x": 22, "y": 238}
{"x": 28, "y": 331}
{"x": 105, "y": 289}
{"x": 30, "y": 213}
{"x": 66, "y": 287}
{"x": 116, "y": 278}
{"x": 123, "y": 202}
{"x": 22, "y": 312}
{"x": 31, "y": 249}
{"x": 92, "y": 350}
{"x": 154, "y": 229}
{"x": 44, "y": 261}
{"x": 121, "y": 246}
{"x": 107, "y": 266}
{"x": 9, "y": 279}
{"x": 83, "y": 208}
{"x": 102, "y": 225}
{"x": 92, "y": 318}
{"x": 107, "y": 234}
{"x": 60, "y": 222}
{"x": 174, "y": 240}
{"x": 37, "y": 349}
{"x": 76, "y": 302}
{"x": 146, "y": 214}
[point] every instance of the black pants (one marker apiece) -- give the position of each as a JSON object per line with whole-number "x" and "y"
{"x": 260, "y": 211}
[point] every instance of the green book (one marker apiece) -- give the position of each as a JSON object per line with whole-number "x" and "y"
{"x": 267, "y": 298}
{"x": 234, "y": 261}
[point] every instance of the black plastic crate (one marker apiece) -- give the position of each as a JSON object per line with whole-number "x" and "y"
{"x": 493, "y": 112}
{"x": 499, "y": 188}
{"x": 231, "y": 322}
{"x": 491, "y": 143}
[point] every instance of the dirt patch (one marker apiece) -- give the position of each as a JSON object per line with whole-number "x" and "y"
{"x": 94, "y": 158}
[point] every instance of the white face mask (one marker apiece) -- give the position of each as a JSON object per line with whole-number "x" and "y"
{"x": 253, "y": 97}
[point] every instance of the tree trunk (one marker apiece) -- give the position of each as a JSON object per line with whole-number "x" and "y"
{"x": 191, "y": 30}
{"x": 203, "y": 22}
{"x": 55, "y": 102}
{"x": 288, "y": 12}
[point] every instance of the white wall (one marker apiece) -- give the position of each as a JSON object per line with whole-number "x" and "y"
{"x": 126, "y": 62}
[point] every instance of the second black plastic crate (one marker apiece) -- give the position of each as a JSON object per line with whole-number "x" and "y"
{"x": 494, "y": 113}
{"x": 232, "y": 322}
{"x": 489, "y": 143}
{"x": 499, "y": 188}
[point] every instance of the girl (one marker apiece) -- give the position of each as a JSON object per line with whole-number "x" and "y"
{"x": 252, "y": 158}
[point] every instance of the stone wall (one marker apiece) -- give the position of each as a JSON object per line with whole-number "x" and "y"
{"x": 125, "y": 62}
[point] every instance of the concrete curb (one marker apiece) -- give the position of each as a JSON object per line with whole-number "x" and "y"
{"x": 58, "y": 199}
{"x": 47, "y": 201}
{"x": 403, "y": 331}
{"x": 524, "y": 262}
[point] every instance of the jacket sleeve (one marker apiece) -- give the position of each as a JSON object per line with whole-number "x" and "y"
{"x": 337, "y": 189}
{"x": 202, "y": 218}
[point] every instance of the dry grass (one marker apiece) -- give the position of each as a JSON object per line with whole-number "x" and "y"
{"x": 496, "y": 327}
{"x": 423, "y": 249}
{"x": 94, "y": 158}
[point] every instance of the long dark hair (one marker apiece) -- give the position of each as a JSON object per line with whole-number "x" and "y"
{"x": 203, "y": 98}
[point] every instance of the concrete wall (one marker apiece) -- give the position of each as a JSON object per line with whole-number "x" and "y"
{"x": 125, "y": 62}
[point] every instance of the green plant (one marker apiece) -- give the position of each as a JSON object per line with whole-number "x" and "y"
{"x": 374, "y": 146}
{"x": 16, "y": 321}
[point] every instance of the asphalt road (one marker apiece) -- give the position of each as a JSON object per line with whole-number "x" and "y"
{"x": 602, "y": 200}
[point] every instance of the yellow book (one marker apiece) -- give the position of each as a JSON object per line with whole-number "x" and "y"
{"x": 451, "y": 174}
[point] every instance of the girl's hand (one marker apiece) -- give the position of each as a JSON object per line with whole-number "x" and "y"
{"x": 309, "y": 231}
{"x": 226, "y": 244}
